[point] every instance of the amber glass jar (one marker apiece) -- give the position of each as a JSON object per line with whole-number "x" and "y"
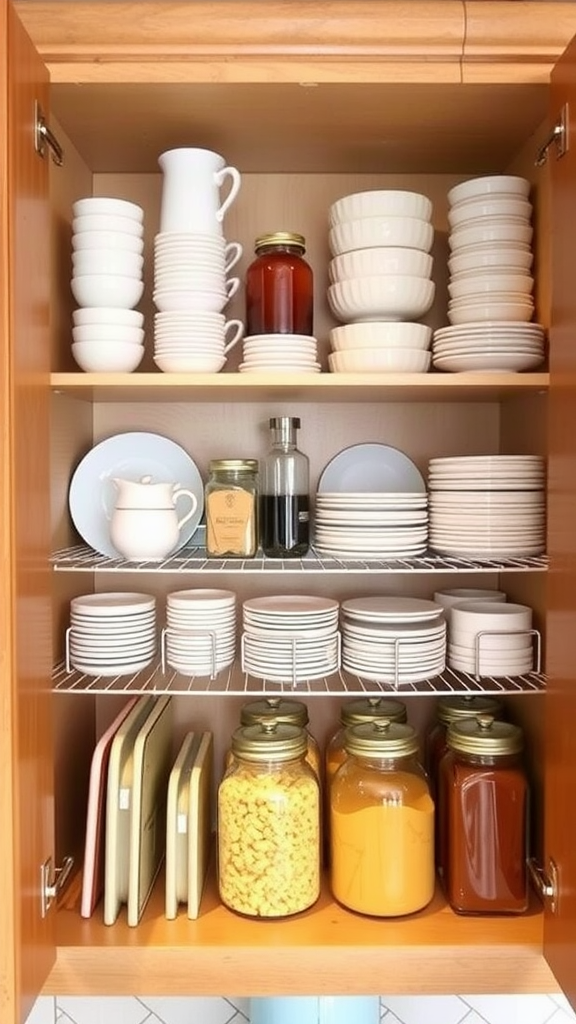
{"x": 231, "y": 499}
{"x": 279, "y": 287}
{"x": 356, "y": 712}
{"x": 382, "y": 823}
{"x": 269, "y": 823}
{"x": 483, "y": 808}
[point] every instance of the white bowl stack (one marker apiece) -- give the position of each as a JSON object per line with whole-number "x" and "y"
{"x": 380, "y": 273}
{"x": 200, "y": 634}
{"x": 490, "y": 286}
{"x": 107, "y": 283}
{"x": 491, "y": 638}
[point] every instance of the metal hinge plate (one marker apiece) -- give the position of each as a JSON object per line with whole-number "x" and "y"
{"x": 558, "y": 138}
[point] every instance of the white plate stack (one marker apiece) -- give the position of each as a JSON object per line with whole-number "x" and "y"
{"x": 107, "y": 282}
{"x": 381, "y": 270}
{"x": 493, "y": 345}
{"x": 487, "y": 505}
{"x": 399, "y": 640}
{"x": 111, "y": 634}
{"x": 491, "y": 258}
{"x": 378, "y": 525}
{"x": 491, "y": 638}
{"x": 290, "y": 638}
{"x": 200, "y": 634}
{"x": 280, "y": 353}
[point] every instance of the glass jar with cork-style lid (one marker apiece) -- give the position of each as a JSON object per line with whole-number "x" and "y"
{"x": 382, "y": 823}
{"x": 483, "y": 806}
{"x": 269, "y": 823}
{"x": 279, "y": 287}
{"x": 231, "y": 502}
{"x": 356, "y": 712}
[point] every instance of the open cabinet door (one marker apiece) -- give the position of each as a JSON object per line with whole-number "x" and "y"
{"x": 27, "y": 946}
{"x": 560, "y": 794}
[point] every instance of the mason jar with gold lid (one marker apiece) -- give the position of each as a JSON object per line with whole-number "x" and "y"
{"x": 356, "y": 712}
{"x": 382, "y": 823}
{"x": 231, "y": 501}
{"x": 279, "y": 286}
{"x": 283, "y": 709}
{"x": 483, "y": 806}
{"x": 269, "y": 823}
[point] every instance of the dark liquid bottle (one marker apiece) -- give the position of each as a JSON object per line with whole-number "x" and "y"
{"x": 279, "y": 287}
{"x": 284, "y": 500}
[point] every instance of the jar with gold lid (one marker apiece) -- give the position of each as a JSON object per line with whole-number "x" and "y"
{"x": 382, "y": 823}
{"x": 231, "y": 501}
{"x": 283, "y": 709}
{"x": 355, "y": 712}
{"x": 279, "y": 286}
{"x": 483, "y": 806}
{"x": 269, "y": 823}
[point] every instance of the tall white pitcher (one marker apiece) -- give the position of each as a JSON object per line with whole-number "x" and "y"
{"x": 191, "y": 191}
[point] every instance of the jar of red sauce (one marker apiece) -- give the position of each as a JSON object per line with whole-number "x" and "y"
{"x": 483, "y": 806}
{"x": 279, "y": 287}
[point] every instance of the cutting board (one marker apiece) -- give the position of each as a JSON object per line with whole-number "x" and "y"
{"x": 188, "y": 824}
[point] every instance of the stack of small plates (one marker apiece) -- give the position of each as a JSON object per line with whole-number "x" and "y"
{"x": 492, "y": 505}
{"x": 280, "y": 353}
{"x": 493, "y": 345}
{"x": 200, "y": 633}
{"x": 398, "y": 640}
{"x": 378, "y": 525}
{"x": 290, "y": 637}
{"x": 111, "y": 634}
{"x": 491, "y": 638}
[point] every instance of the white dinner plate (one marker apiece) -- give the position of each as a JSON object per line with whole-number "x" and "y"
{"x": 391, "y": 609}
{"x": 129, "y": 456}
{"x": 371, "y": 468}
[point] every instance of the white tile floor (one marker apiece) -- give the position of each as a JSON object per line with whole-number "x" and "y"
{"x": 466, "y": 1009}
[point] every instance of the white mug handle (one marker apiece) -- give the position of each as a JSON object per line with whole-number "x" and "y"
{"x": 232, "y": 286}
{"x": 227, "y": 172}
{"x": 239, "y": 333}
{"x": 232, "y": 253}
{"x": 177, "y": 494}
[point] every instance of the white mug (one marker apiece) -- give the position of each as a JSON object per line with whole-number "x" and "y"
{"x": 191, "y": 191}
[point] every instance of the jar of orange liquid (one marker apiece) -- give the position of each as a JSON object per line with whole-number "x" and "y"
{"x": 382, "y": 823}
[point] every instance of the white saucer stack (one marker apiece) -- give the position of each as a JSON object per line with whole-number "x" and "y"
{"x": 280, "y": 353}
{"x": 487, "y": 505}
{"x": 111, "y": 634}
{"x": 290, "y": 638}
{"x": 399, "y": 640}
{"x": 491, "y": 638}
{"x": 371, "y": 525}
{"x": 200, "y": 634}
{"x": 493, "y": 345}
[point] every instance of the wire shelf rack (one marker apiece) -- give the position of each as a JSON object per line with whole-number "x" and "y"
{"x": 234, "y": 681}
{"x": 81, "y": 558}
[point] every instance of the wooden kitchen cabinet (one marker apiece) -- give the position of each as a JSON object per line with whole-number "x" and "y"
{"x": 311, "y": 101}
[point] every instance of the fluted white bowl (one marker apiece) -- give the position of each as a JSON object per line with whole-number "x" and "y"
{"x": 380, "y": 203}
{"x": 394, "y": 297}
{"x": 380, "y": 360}
{"x": 107, "y": 356}
{"x": 380, "y": 334}
{"x": 373, "y": 232}
{"x": 380, "y": 260}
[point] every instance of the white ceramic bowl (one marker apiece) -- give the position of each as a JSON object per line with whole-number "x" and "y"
{"x": 512, "y": 259}
{"x": 495, "y": 234}
{"x": 482, "y": 311}
{"x": 107, "y": 205}
{"x": 102, "y": 315}
{"x": 107, "y": 290}
{"x": 475, "y": 616}
{"x": 510, "y": 184}
{"x": 107, "y": 356}
{"x": 108, "y": 240}
{"x": 379, "y": 334}
{"x": 380, "y": 360}
{"x": 102, "y": 261}
{"x": 490, "y": 284}
{"x": 460, "y": 595}
{"x": 116, "y": 333}
{"x": 394, "y": 297}
{"x": 382, "y": 260}
{"x": 380, "y": 203}
{"x": 374, "y": 232}
{"x": 107, "y": 222}
{"x": 189, "y": 363}
{"x": 473, "y": 209}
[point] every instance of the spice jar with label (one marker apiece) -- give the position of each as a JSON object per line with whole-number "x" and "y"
{"x": 382, "y": 823}
{"x": 231, "y": 502}
{"x": 355, "y": 712}
{"x": 483, "y": 807}
{"x": 269, "y": 823}
{"x": 279, "y": 287}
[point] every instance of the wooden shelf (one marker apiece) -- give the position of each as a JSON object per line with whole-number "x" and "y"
{"x": 322, "y": 387}
{"x": 325, "y": 950}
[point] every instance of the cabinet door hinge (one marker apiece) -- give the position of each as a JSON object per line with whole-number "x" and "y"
{"x": 44, "y": 137}
{"x": 557, "y": 137}
{"x": 545, "y": 883}
{"x": 52, "y": 882}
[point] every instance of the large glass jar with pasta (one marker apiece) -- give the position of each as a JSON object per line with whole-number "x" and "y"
{"x": 382, "y": 823}
{"x": 269, "y": 823}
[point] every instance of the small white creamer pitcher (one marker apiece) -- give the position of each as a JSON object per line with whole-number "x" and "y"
{"x": 144, "y": 526}
{"x": 191, "y": 191}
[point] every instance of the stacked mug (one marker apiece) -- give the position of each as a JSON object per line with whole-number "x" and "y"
{"x": 192, "y": 264}
{"x": 107, "y": 263}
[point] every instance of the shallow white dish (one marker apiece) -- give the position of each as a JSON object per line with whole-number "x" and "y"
{"x": 371, "y": 468}
{"x": 489, "y": 362}
{"x": 378, "y": 334}
{"x": 495, "y": 234}
{"x": 130, "y": 456}
{"x": 391, "y": 609}
{"x": 509, "y": 184}
{"x": 379, "y": 360}
{"x": 495, "y": 206}
{"x": 510, "y": 258}
{"x": 380, "y": 203}
{"x": 372, "y": 232}
{"x": 385, "y": 259}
